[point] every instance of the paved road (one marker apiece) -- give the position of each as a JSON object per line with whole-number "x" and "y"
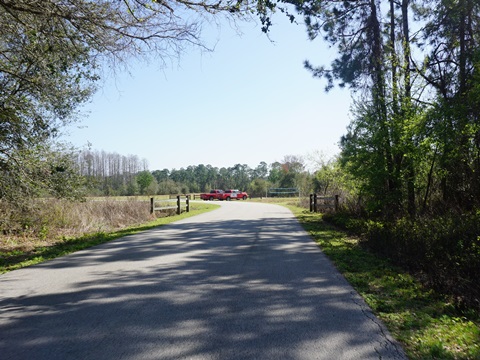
{"x": 241, "y": 282}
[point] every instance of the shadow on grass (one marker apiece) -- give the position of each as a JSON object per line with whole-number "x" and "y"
{"x": 428, "y": 325}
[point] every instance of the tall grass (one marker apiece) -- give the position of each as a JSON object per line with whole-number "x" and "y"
{"x": 53, "y": 228}
{"x": 48, "y": 220}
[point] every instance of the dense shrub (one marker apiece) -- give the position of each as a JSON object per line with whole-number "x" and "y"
{"x": 443, "y": 250}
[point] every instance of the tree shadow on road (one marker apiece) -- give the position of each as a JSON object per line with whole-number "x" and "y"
{"x": 239, "y": 289}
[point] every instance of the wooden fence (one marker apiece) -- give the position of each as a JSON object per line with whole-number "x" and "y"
{"x": 165, "y": 204}
{"x": 318, "y": 202}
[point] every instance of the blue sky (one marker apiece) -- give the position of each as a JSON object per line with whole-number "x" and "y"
{"x": 250, "y": 100}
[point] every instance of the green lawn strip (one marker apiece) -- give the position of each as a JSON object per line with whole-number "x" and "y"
{"x": 428, "y": 326}
{"x": 17, "y": 259}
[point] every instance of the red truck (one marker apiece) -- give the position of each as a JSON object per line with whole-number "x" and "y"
{"x": 212, "y": 195}
{"x": 228, "y": 195}
{"x": 233, "y": 194}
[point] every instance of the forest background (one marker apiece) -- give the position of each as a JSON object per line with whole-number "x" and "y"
{"x": 112, "y": 174}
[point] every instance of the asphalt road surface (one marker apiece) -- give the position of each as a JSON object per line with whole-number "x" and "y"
{"x": 241, "y": 282}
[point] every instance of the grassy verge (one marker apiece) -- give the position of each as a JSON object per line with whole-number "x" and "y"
{"x": 18, "y": 258}
{"x": 427, "y": 324}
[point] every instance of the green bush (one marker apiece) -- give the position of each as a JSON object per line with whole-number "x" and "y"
{"x": 443, "y": 250}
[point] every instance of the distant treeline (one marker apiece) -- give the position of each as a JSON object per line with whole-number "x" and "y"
{"x": 112, "y": 174}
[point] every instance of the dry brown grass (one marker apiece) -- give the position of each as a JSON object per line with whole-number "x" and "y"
{"x": 51, "y": 220}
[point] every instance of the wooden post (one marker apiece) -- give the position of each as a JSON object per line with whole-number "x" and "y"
{"x": 151, "y": 206}
{"x": 315, "y": 200}
{"x": 336, "y": 203}
{"x": 188, "y": 204}
{"x": 311, "y": 202}
{"x": 179, "y": 205}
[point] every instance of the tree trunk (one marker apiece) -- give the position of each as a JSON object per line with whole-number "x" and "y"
{"x": 407, "y": 107}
